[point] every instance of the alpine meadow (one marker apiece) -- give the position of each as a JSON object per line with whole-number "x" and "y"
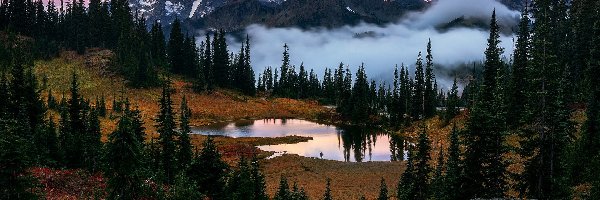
{"x": 299, "y": 99}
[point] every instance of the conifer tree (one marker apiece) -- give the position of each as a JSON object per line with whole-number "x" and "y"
{"x": 157, "y": 45}
{"x": 175, "y": 48}
{"x": 419, "y": 90}
{"x": 258, "y": 180}
{"x": 452, "y": 178}
{"x": 92, "y": 142}
{"x": 519, "y": 71}
{"x": 184, "y": 153}
{"x": 452, "y": 103}
{"x": 383, "y": 191}
{"x": 123, "y": 162}
{"x": 327, "y": 195}
{"x": 429, "y": 106}
{"x": 484, "y": 169}
{"x": 209, "y": 171}
{"x": 166, "y": 128}
{"x": 283, "y": 192}
{"x": 422, "y": 169}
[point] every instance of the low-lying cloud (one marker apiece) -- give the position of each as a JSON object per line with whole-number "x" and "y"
{"x": 383, "y": 47}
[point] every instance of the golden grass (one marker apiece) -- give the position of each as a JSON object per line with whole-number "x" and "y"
{"x": 349, "y": 180}
{"x": 96, "y": 80}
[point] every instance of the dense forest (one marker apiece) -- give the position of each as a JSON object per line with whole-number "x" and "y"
{"x": 532, "y": 96}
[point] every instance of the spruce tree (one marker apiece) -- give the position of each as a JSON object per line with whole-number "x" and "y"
{"x": 327, "y": 195}
{"x": 184, "y": 153}
{"x": 258, "y": 180}
{"x": 283, "y": 191}
{"x": 166, "y": 128}
{"x": 452, "y": 178}
{"x": 429, "y": 105}
{"x": 175, "y": 48}
{"x": 209, "y": 171}
{"x": 484, "y": 169}
{"x": 422, "y": 169}
{"x": 383, "y": 191}
{"x": 123, "y": 158}
{"x": 419, "y": 90}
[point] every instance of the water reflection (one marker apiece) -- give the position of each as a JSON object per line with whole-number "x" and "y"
{"x": 350, "y": 144}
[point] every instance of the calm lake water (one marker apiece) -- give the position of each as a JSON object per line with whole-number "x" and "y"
{"x": 349, "y": 144}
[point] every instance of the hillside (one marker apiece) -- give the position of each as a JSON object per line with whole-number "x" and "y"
{"x": 96, "y": 80}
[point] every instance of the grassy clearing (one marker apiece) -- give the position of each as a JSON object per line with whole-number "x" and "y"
{"x": 222, "y": 105}
{"x": 348, "y": 180}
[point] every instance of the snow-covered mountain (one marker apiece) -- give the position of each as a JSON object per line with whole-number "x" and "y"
{"x": 234, "y": 15}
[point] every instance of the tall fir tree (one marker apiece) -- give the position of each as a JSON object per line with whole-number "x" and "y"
{"x": 166, "y": 128}
{"x": 484, "y": 169}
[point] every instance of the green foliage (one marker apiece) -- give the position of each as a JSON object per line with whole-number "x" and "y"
{"x": 184, "y": 154}
{"x": 283, "y": 191}
{"x": 327, "y": 195}
{"x": 166, "y": 128}
{"x": 209, "y": 171}
{"x": 484, "y": 169}
{"x": 184, "y": 188}
{"x": 383, "y": 191}
{"x": 123, "y": 154}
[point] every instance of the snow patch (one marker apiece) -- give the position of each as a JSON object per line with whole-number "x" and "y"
{"x": 173, "y": 8}
{"x": 194, "y": 7}
{"x": 147, "y": 3}
{"x": 349, "y": 9}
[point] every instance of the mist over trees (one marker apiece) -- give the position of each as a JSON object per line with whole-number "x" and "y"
{"x": 531, "y": 97}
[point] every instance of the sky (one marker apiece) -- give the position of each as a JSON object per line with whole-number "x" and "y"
{"x": 392, "y": 44}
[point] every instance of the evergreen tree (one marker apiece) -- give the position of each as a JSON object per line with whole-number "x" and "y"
{"x": 383, "y": 191}
{"x": 452, "y": 178}
{"x": 240, "y": 185}
{"x": 123, "y": 162}
{"x": 166, "y": 128}
{"x": 283, "y": 192}
{"x": 519, "y": 71}
{"x": 452, "y": 103}
{"x": 258, "y": 179}
{"x": 327, "y": 195}
{"x": 175, "y": 48}
{"x": 184, "y": 188}
{"x": 157, "y": 47}
{"x": 184, "y": 153}
{"x": 419, "y": 90}
{"x": 92, "y": 143}
{"x": 422, "y": 169}
{"x": 484, "y": 169}
{"x": 429, "y": 106}
{"x": 209, "y": 171}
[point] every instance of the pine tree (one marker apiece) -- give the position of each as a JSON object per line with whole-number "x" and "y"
{"x": 258, "y": 180}
{"x": 383, "y": 191}
{"x": 157, "y": 45}
{"x": 166, "y": 128}
{"x": 92, "y": 142}
{"x": 419, "y": 90}
{"x": 209, "y": 171}
{"x": 74, "y": 151}
{"x": 184, "y": 188}
{"x": 519, "y": 71}
{"x": 429, "y": 105}
{"x": 283, "y": 192}
{"x": 184, "y": 153}
{"x": 452, "y": 103}
{"x": 240, "y": 185}
{"x": 327, "y": 195}
{"x": 422, "y": 169}
{"x": 175, "y": 48}
{"x": 452, "y": 178}
{"x": 123, "y": 162}
{"x": 484, "y": 169}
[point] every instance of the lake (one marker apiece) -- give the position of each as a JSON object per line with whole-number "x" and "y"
{"x": 350, "y": 144}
